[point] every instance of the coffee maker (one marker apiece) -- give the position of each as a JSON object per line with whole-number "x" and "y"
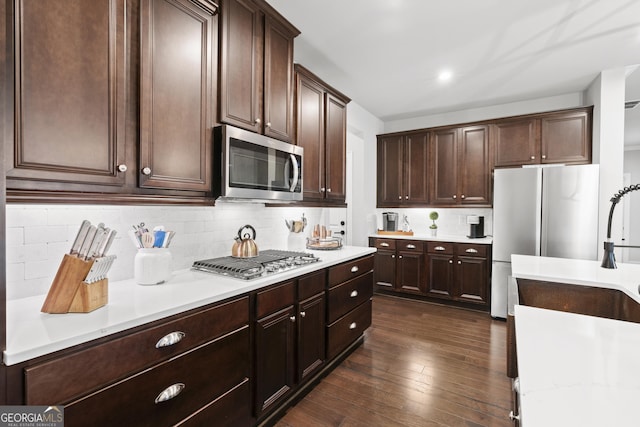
{"x": 390, "y": 221}
{"x": 476, "y": 226}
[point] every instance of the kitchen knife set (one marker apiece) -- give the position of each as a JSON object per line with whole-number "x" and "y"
{"x": 92, "y": 244}
{"x": 143, "y": 238}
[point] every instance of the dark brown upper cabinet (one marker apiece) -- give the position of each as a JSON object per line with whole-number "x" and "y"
{"x": 321, "y": 129}
{"x": 178, "y": 47}
{"x": 460, "y": 166}
{"x": 256, "y": 68}
{"x": 70, "y": 78}
{"x": 556, "y": 137}
{"x": 402, "y": 161}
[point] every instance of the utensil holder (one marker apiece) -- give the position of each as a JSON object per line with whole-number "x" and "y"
{"x": 152, "y": 266}
{"x": 69, "y": 293}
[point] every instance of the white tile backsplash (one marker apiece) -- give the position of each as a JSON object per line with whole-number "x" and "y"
{"x": 38, "y": 236}
{"x": 451, "y": 221}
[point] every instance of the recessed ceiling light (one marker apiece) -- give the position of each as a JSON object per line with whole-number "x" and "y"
{"x": 445, "y": 76}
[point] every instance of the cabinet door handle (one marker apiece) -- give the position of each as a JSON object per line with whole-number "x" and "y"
{"x": 292, "y": 318}
{"x": 399, "y": 256}
{"x": 170, "y": 339}
{"x": 533, "y": 157}
{"x": 353, "y": 326}
{"x": 353, "y": 294}
{"x": 328, "y": 190}
{"x": 258, "y": 121}
{"x": 450, "y": 261}
{"x": 462, "y": 196}
{"x": 544, "y": 156}
{"x": 513, "y": 417}
{"x": 170, "y": 392}
{"x": 122, "y": 168}
{"x": 354, "y": 269}
{"x": 393, "y": 256}
{"x": 384, "y": 244}
{"x": 439, "y": 248}
{"x": 410, "y": 246}
{"x": 459, "y": 262}
{"x": 399, "y": 197}
{"x": 303, "y": 313}
{"x": 406, "y": 197}
{"x": 268, "y": 124}
{"x": 146, "y": 170}
{"x": 471, "y": 251}
{"x": 455, "y": 197}
{"x": 322, "y": 189}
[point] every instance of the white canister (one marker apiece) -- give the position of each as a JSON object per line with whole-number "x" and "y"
{"x": 152, "y": 266}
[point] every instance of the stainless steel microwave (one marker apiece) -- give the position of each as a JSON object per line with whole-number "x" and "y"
{"x": 251, "y": 166}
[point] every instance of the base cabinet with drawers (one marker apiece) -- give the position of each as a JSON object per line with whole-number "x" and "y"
{"x": 446, "y": 271}
{"x": 239, "y": 362}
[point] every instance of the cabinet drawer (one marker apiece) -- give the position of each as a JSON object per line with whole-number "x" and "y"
{"x": 410, "y": 246}
{"x": 347, "y": 296}
{"x": 275, "y": 298}
{"x": 347, "y": 329}
{"x": 311, "y": 284}
{"x": 440, "y": 248}
{"x": 343, "y": 272}
{"x": 69, "y": 376}
{"x": 205, "y": 374}
{"x": 232, "y": 409}
{"x": 470, "y": 249}
{"x": 385, "y": 243}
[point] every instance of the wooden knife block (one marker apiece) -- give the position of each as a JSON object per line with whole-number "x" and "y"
{"x": 69, "y": 293}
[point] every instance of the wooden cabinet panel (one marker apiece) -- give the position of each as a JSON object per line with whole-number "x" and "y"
{"x": 516, "y": 142}
{"x": 410, "y": 272}
{"x": 321, "y": 129}
{"x": 347, "y": 329}
{"x": 275, "y": 298}
{"x": 350, "y": 269}
{"x": 444, "y": 161}
{"x": 232, "y": 409}
{"x": 385, "y": 268}
{"x": 346, "y": 296}
{"x": 274, "y": 362}
{"x": 135, "y": 400}
{"x": 440, "y": 275}
{"x": 471, "y": 279}
{"x": 176, "y": 94}
{"x": 70, "y": 89}
{"x": 474, "y": 166}
{"x": 311, "y": 284}
{"x": 241, "y": 64}
{"x": 311, "y": 336}
{"x": 336, "y": 147}
{"x": 402, "y": 162}
{"x": 278, "y": 81}
{"x": 310, "y": 135}
{"x": 566, "y": 137}
{"x": 66, "y": 377}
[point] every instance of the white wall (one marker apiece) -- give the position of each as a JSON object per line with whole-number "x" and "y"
{"x": 632, "y": 167}
{"x": 39, "y": 235}
{"x": 559, "y": 102}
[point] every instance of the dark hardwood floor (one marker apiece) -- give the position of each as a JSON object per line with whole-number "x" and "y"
{"x": 421, "y": 364}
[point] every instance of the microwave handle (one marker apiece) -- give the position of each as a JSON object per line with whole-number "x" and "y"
{"x": 294, "y": 181}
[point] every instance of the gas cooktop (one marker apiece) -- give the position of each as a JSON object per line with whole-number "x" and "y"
{"x": 267, "y": 262}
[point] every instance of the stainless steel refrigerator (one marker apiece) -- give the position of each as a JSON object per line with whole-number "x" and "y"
{"x": 549, "y": 211}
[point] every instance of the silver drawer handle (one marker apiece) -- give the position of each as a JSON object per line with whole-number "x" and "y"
{"x": 353, "y": 294}
{"x": 354, "y": 269}
{"x": 439, "y": 248}
{"x": 353, "y": 325}
{"x": 384, "y": 244}
{"x": 410, "y": 246}
{"x": 471, "y": 251}
{"x": 170, "y": 392}
{"x": 170, "y": 339}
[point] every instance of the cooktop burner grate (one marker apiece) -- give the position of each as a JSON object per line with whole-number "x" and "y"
{"x": 267, "y": 262}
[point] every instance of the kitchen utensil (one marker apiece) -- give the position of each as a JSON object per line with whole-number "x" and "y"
{"x": 86, "y": 244}
{"x": 82, "y": 233}
{"x": 147, "y": 240}
{"x": 296, "y": 226}
{"x": 106, "y": 243}
{"x": 101, "y": 233}
{"x": 99, "y": 269}
{"x": 158, "y": 238}
{"x": 167, "y": 238}
{"x": 245, "y": 246}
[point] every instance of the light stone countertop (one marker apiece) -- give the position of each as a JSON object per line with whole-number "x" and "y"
{"x": 576, "y": 370}
{"x": 31, "y": 333}
{"x": 438, "y": 238}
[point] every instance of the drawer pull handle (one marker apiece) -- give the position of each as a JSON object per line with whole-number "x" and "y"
{"x": 439, "y": 248}
{"x": 410, "y": 246}
{"x": 292, "y": 318}
{"x": 303, "y": 313}
{"x": 170, "y": 339}
{"x": 384, "y": 244}
{"x": 353, "y": 326}
{"x": 471, "y": 251}
{"x": 354, "y": 269}
{"x": 170, "y": 392}
{"x": 353, "y": 294}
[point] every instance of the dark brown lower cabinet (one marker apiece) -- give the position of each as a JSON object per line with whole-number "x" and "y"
{"x": 448, "y": 271}
{"x": 311, "y": 336}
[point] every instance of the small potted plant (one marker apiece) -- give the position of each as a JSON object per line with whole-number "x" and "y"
{"x": 433, "y": 216}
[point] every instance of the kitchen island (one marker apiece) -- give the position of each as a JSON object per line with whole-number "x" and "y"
{"x": 197, "y": 348}
{"x": 577, "y": 333}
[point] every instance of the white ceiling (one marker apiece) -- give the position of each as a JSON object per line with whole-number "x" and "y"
{"x": 387, "y": 54}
